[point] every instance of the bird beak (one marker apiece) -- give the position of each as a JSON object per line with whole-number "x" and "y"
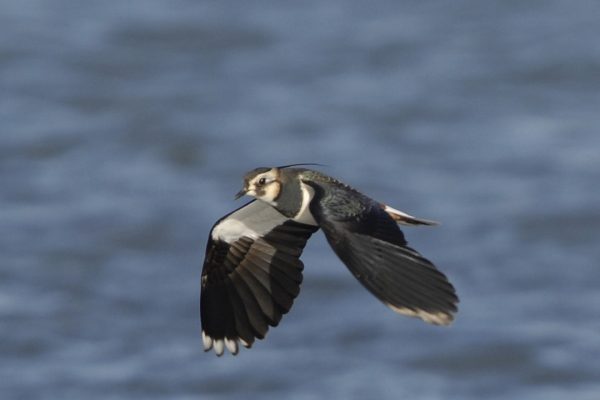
{"x": 240, "y": 193}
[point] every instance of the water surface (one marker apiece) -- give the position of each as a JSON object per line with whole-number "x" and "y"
{"x": 125, "y": 129}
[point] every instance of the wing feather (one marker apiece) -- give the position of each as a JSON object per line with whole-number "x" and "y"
{"x": 262, "y": 296}
{"x": 255, "y": 314}
{"x": 276, "y": 273}
{"x": 251, "y": 275}
{"x": 281, "y": 296}
{"x": 372, "y": 246}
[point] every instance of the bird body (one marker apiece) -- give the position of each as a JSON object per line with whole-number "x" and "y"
{"x": 252, "y": 271}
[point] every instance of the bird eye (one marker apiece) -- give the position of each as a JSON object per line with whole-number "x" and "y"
{"x": 262, "y": 181}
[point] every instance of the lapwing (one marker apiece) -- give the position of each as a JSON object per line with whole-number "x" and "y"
{"x": 252, "y": 269}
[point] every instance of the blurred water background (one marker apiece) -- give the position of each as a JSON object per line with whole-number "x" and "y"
{"x": 125, "y": 128}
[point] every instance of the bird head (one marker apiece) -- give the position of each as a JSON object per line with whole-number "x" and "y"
{"x": 263, "y": 184}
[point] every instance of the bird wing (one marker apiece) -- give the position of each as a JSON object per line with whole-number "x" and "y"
{"x": 251, "y": 275}
{"x": 372, "y": 246}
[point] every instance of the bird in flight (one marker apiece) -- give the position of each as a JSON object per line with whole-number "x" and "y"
{"x": 252, "y": 269}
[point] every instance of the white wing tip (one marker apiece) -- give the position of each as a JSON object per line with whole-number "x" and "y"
{"x": 232, "y": 346}
{"x": 219, "y": 345}
{"x": 435, "y": 318}
{"x": 207, "y": 341}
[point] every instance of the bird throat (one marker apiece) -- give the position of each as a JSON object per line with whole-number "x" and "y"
{"x": 289, "y": 201}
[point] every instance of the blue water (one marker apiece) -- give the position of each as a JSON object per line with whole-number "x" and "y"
{"x": 125, "y": 128}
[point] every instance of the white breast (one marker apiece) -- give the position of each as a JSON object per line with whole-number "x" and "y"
{"x": 304, "y": 215}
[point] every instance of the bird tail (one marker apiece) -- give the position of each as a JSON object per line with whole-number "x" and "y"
{"x": 406, "y": 219}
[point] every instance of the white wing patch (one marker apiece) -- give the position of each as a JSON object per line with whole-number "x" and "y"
{"x": 253, "y": 220}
